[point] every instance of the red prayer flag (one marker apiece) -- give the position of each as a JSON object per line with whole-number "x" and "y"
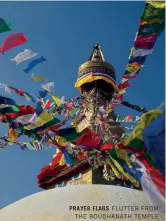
{"x": 124, "y": 86}
{"x": 145, "y": 42}
{"x": 107, "y": 146}
{"x": 23, "y": 111}
{"x": 48, "y": 104}
{"x": 19, "y": 92}
{"x": 129, "y": 76}
{"x": 158, "y": 179}
{"x": 89, "y": 139}
{"x": 129, "y": 117}
{"x": 12, "y": 41}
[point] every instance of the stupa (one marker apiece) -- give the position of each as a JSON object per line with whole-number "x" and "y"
{"x": 96, "y": 82}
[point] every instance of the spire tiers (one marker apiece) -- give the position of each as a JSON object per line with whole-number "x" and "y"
{"x": 96, "y": 68}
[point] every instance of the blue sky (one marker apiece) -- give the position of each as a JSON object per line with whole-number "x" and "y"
{"x": 64, "y": 33}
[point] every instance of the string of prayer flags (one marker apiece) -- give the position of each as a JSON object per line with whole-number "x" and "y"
{"x": 19, "y": 92}
{"x": 83, "y": 142}
{"x": 36, "y": 123}
{"x": 23, "y": 93}
{"x": 29, "y": 97}
{"x": 152, "y": 23}
{"x": 41, "y": 119}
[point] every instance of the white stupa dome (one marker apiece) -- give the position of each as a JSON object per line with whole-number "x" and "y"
{"x": 97, "y": 202}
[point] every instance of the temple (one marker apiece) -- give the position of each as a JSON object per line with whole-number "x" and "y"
{"x": 96, "y": 82}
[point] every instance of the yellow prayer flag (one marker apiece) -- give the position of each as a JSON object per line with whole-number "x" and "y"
{"x": 114, "y": 169}
{"x": 13, "y": 134}
{"x": 35, "y": 78}
{"x": 57, "y": 100}
{"x": 122, "y": 92}
{"x": 151, "y": 21}
{"x": 128, "y": 176}
{"x": 132, "y": 68}
{"x": 61, "y": 141}
{"x": 144, "y": 121}
{"x": 70, "y": 151}
{"x": 122, "y": 154}
{"x": 26, "y": 97}
{"x": 62, "y": 161}
{"x": 157, "y": 4}
{"x": 42, "y": 119}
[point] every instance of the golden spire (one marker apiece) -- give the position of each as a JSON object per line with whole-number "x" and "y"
{"x": 97, "y": 53}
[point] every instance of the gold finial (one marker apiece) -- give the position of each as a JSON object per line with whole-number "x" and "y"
{"x": 97, "y": 53}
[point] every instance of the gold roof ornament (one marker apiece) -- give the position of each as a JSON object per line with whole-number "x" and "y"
{"x": 96, "y": 68}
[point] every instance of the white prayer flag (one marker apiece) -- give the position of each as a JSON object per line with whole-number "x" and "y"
{"x": 139, "y": 52}
{"x": 48, "y": 87}
{"x": 5, "y": 87}
{"x": 25, "y": 55}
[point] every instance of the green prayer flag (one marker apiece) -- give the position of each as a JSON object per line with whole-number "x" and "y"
{"x": 5, "y": 26}
{"x": 150, "y": 12}
{"x": 150, "y": 159}
{"x": 48, "y": 124}
{"x": 149, "y": 29}
{"x": 113, "y": 154}
{"x": 11, "y": 109}
{"x": 15, "y": 108}
{"x": 137, "y": 144}
{"x": 72, "y": 135}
